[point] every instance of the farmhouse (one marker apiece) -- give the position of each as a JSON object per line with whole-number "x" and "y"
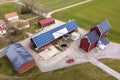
{"x": 19, "y": 57}
{"x": 96, "y": 37}
{"x": 46, "y": 22}
{"x": 2, "y": 31}
{"x": 11, "y": 16}
{"x": 48, "y": 37}
{"x": 2, "y": 24}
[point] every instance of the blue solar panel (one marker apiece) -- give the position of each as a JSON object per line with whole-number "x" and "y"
{"x": 92, "y": 37}
{"x": 18, "y": 55}
{"x": 104, "y": 26}
{"x": 47, "y": 37}
{"x": 105, "y": 41}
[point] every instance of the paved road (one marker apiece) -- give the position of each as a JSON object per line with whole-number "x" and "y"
{"x": 105, "y": 68}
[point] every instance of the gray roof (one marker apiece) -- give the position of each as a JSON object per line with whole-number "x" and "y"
{"x": 104, "y": 26}
{"x": 17, "y": 55}
{"x": 92, "y": 37}
{"x": 104, "y": 41}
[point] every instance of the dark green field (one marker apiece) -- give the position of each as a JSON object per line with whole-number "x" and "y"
{"x": 91, "y": 13}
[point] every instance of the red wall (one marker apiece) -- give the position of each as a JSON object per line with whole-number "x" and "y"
{"x": 103, "y": 35}
{"x": 26, "y": 66}
{"x": 95, "y": 28}
{"x": 92, "y": 46}
{"x": 84, "y": 44}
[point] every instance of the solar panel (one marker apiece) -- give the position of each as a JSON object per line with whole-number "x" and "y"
{"x": 47, "y": 37}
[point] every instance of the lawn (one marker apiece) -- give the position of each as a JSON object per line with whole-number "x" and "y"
{"x": 85, "y": 71}
{"x": 91, "y": 13}
{"x": 113, "y": 63}
{"x": 7, "y": 8}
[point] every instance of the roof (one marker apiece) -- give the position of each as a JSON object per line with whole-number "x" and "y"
{"x": 104, "y": 26}
{"x": 10, "y": 15}
{"x": 104, "y": 41}
{"x": 46, "y": 21}
{"x": 17, "y": 55}
{"x": 1, "y": 29}
{"x": 1, "y": 21}
{"x": 51, "y": 35}
{"x": 92, "y": 37}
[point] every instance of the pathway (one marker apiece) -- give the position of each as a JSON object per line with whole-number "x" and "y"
{"x": 105, "y": 68}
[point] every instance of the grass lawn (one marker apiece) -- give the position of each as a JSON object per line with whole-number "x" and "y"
{"x": 90, "y": 13}
{"x": 7, "y": 8}
{"x": 113, "y": 63}
{"x": 85, "y": 71}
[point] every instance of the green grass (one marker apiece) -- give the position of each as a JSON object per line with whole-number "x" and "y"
{"x": 90, "y": 13}
{"x": 7, "y": 8}
{"x": 85, "y": 71}
{"x": 113, "y": 63}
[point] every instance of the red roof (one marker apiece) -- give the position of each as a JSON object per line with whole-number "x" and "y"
{"x": 46, "y": 21}
{"x": 1, "y": 21}
{"x": 1, "y": 29}
{"x": 9, "y": 15}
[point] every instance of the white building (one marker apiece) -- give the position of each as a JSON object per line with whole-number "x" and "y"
{"x": 2, "y": 31}
{"x": 11, "y": 16}
{"x": 2, "y": 24}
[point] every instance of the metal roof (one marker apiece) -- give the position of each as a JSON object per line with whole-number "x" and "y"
{"x": 17, "y": 55}
{"x": 47, "y": 37}
{"x": 104, "y": 41}
{"x": 46, "y": 21}
{"x": 104, "y": 26}
{"x": 92, "y": 37}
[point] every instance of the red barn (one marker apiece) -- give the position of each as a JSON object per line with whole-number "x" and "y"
{"x": 19, "y": 57}
{"x": 46, "y": 22}
{"x": 95, "y": 37}
{"x": 102, "y": 28}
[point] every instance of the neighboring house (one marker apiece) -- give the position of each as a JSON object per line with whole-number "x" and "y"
{"x": 44, "y": 39}
{"x": 2, "y": 24}
{"x": 22, "y": 24}
{"x": 96, "y": 37}
{"x": 102, "y": 28}
{"x": 19, "y": 57}
{"x": 46, "y": 22}
{"x": 2, "y": 31}
{"x": 11, "y": 16}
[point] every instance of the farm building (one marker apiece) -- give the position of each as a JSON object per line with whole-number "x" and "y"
{"x": 11, "y": 16}
{"x": 19, "y": 57}
{"x": 96, "y": 37}
{"x": 2, "y": 31}
{"x": 2, "y": 24}
{"x": 46, "y": 22}
{"x": 44, "y": 39}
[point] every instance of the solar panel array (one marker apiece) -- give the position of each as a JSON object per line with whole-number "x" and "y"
{"x": 47, "y": 37}
{"x": 18, "y": 55}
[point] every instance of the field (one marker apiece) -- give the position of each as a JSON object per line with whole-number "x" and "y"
{"x": 85, "y": 71}
{"x": 56, "y": 4}
{"x": 112, "y": 63}
{"x": 90, "y": 13}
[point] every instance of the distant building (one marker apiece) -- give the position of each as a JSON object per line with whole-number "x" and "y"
{"x": 19, "y": 57}
{"x": 46, "y": 22}
{"x": 96, "y": 37}
{"x": 22, "y": 24}
{"x": 2, "y": 24}
{"x": 11, "y": 16}
{"x": 48, "y": 37}
{"x": 2, "y": 31}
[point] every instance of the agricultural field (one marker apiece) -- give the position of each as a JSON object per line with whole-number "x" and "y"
{"x": 89, "y": 14}
{"x": 112, "y": 63}
{"x": 85, "y": 71}
{"x": 56, "y": 4}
